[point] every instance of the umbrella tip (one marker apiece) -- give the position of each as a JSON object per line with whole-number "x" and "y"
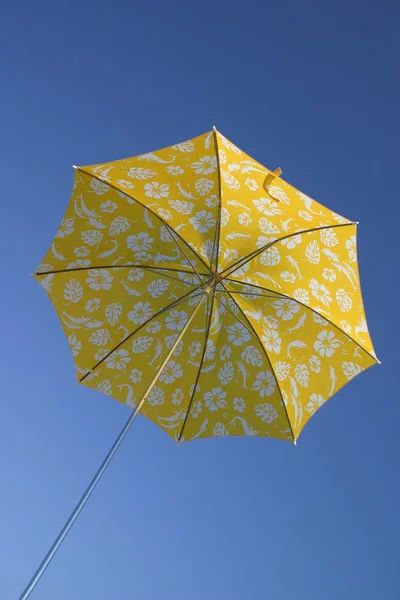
{"x": 357, "y": 222}
{"x": 214, "y": 128}
{"x": 74, "y": 167}
{"x": 295, "y": 442}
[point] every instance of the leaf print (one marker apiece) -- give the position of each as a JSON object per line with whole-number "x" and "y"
{"x": 157, "y": 287}
{"x": 265, "y": 383}
{"x": 302, "y": 375}
{"x": 350, "y": 369}
{"x": 113, "y": 313}
{"x": 320, "y": 292}
{"x": 184, "y": 146}
{"x": 141, "y": 173}
{"x": 301, "y": 295}
{"x": 225, "y": 374}
{"x": 344, "y": 300}
{"x": 282, "y": 370}
{"x": 119, "y": 225}
{"x": 351, "y": 246}
{"x": 278, "y": 194}
{"x": 156, "y": 397}
{"x": 266, "y": 412}
{"x": 73, "y": 291}
{"x": 313, "y": 253}
{"x": 220, "y": 430}
{"x": 252, "y": 356}
{"x": 105, "y": 387}
{"x": 315, "y": 363}
{"x": 230, "y": 180}
{"x": 215, "y": 399}
{"x": 141, "y": 344}
{"x": 204, "y": 186}
{"x": 268, "y": 227}
{"x": 99, "y": 187}
{"x": 328, "y": 237}
{"x": 92, "y": 237}
{"x": 181, "y": 206}
{"x": 270, "y": 257}
{"x": 74, "y": 344}
{"x": 101, "y": 337}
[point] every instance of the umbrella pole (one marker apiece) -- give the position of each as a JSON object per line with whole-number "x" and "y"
{"x": 62, "y": 535}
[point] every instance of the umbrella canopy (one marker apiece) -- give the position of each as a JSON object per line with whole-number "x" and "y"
{"x": 201, "y": 271}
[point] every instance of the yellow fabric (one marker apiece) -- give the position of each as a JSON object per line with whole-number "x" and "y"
{"x": 143, "y": 240}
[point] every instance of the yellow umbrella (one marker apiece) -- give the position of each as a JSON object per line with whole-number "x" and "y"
{"x": 199, "y": 288}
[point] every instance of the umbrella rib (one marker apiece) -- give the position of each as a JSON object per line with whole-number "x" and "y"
{"x": 245, "y": 259}
{"x": 248, "y": 294}
{"x": 200, "y": 366}
{"x": 160, "y": 312}
{"x": 322, "y": 317}
{"x": 171, "y": 231}
{"x": 131, "y": 266}
{"x": 251, "y": 330}
{"x": 217, "y": 237}
{"x": 114, "y": 187}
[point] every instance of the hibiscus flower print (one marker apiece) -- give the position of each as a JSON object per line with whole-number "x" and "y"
{"x": 99, "y": 279}
{"x": 264, "y": 384}
{"x": 286, "y": 309}
{"x": 156, "y": 190}
{"x": 176, "y": 320}
{"x": 271, "y": 340}
{"x": 238, "y": 334}
{"x": 239, "y": 405}
{"x": 177, "y": 397}
{"x": 205, "y": 166}
{"x": 141, "y": 242}
{"x": 118, "y": 360}
{"x": 66, "y": 228}
{"x": 141, "y": 312}
{"x": 202, "y": 221}
{"x": 292, "y": 241}
{"x": 316, "y": 400}
{"x": 171, "y": 372}
{"x": 215, "y": 399}
{"x": 326, "y": 343}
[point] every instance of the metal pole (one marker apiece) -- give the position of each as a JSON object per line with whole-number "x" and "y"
{"x": 62, "y": 535}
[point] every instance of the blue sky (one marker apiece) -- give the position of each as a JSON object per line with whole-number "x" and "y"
{"x": 309, "y": 86}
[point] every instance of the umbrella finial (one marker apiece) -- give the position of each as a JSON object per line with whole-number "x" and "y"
{"x": 214, "y": 128}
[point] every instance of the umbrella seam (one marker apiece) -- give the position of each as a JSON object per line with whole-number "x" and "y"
{"x": 107, "y": 182}
{"x": 200, "y": 367}
{"x": 253, "y": 331}
{"x": 218, "y": 225}
{"x": 256, "y": 253}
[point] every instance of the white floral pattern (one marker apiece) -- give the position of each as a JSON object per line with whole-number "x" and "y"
{"x": 283, "y": 328}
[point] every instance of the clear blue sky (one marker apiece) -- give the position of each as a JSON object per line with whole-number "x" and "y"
{"x": 309, "y": 86}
